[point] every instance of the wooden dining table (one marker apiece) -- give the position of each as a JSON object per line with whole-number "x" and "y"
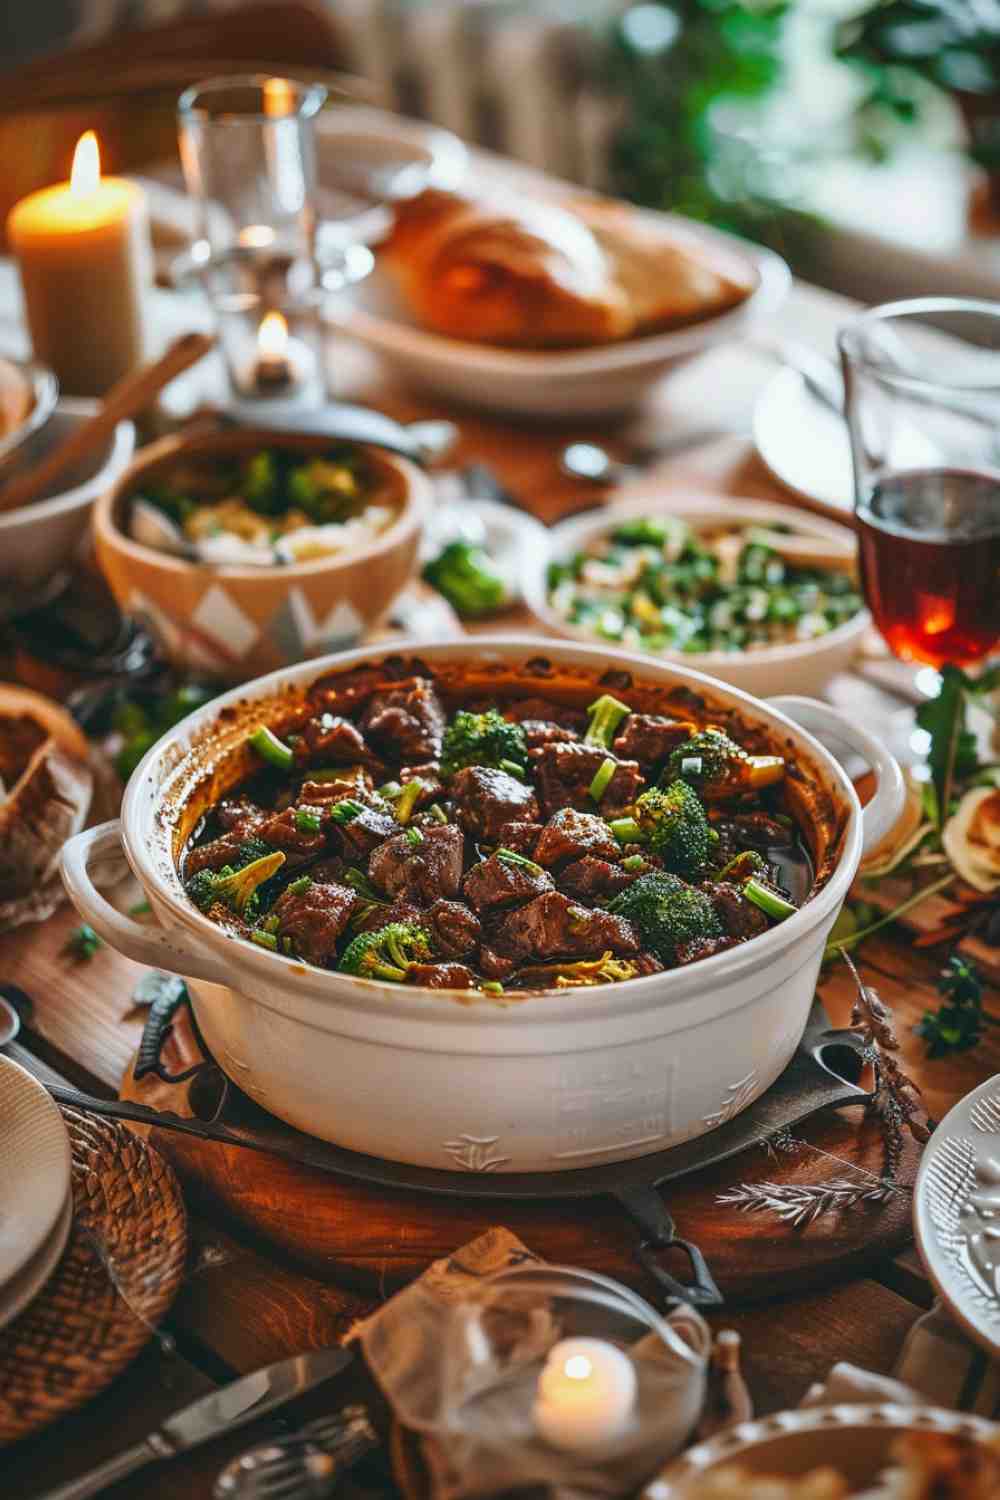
{"x": 242, "y": 1305}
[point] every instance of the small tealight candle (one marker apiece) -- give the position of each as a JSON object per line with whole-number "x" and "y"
{"x": 83, "y": 251}
{"x": 274, "y": 368}
{"x": 586, "y": 1394}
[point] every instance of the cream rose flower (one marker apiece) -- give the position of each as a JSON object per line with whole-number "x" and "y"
{"x": 971, "y": 838}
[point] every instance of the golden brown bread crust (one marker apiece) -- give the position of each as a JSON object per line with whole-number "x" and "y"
{"x": 521, "y": 272}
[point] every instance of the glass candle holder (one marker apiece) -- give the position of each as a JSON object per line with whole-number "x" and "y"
{"x": 554, "y": 1376}
{"x": 273, "y": 354}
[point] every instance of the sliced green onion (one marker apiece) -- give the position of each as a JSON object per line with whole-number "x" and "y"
{"x": 438, "y": 813}
{"x": 769, "y": 901}
{"x": 414, "y": 837}
{"x": 298, "y": 886}
{"x": 627, "y": 831}
{"x": 511, "y": 857}
{"x": 513, "y": 769}
{"x": 358, "y": 881}
{"x": 308, "y": 820}
{"x": 407, "y": 800}
{"x": 346, "y": 810}
{"x": 491, "y": 987}
{"x": 691, "y": 765}
{"x": 602, "y": 778}
{"x": 633, "y": 862}
{"x": 264, "y": 939}
{"x": 271, "y": 749}
{"x": 271, "y": 923}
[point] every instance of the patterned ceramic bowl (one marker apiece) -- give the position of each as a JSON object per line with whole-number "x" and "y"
{"x": 236, "y": 622}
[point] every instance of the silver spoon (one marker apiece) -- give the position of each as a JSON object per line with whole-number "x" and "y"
{"x": 595, "y": 465}
{"x": 303, "y": 1466}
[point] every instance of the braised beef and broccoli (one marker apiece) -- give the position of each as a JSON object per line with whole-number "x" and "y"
{"x": 499, "y": 846}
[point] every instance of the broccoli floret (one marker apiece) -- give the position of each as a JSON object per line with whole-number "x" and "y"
{"x": 486, "y": 739}
{"x": 667, "y": 913}
{"x": 261, "y": 482}
{"x": 585, "y": 971}
{"x": 468, "y": 578}
{"x": 389, "y": 953}
{"x": 325, "y": 489}
{"x": 606, "y": 713}
{"x": 720, "y": 768}
{"x": 236, "y": 888}
{"x": 670, "y": 821}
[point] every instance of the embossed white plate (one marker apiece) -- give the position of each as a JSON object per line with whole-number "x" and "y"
{"x": 854, "y": 1440}
{"x": 956, "y": 1213}
{"x": 23, "y": 1288}
{"x": 34, "y": 1168}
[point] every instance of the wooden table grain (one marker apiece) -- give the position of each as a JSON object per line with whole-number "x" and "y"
{"x": 240, "y": 1306}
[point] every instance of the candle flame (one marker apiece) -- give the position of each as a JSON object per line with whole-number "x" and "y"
{"x": 272, "y": 336}
{"x": 578, "y": 1367}
{"x": 86, "y": 174}
{"x": 257, "y": 236}
{"x": 279, "y": 97}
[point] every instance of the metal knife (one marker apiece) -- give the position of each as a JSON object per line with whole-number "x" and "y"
{"x": 212, "y": 1416}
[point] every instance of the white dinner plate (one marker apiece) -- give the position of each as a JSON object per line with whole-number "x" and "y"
{"x": 956, "y": 1211}
{"x": 34, "y": 1168}
{"x": 23, "y": 1288}
{"x": 803, "y": 443}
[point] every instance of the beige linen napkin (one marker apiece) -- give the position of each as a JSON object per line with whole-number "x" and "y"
{"x": 404, "y": 1342}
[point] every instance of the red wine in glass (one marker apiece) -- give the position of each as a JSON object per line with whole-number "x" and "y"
{"x": 929, "y": 544}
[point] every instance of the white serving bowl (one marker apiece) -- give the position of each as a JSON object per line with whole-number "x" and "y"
{"x": 40, "y": 539}
{"x": 856, "y": 1441}
{"x": 447, "y": 1079}
{"x": 595, "y": 381}
{"x": 801, "y": 667}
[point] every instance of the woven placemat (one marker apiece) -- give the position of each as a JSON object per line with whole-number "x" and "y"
{"x": 122, "y": 1265}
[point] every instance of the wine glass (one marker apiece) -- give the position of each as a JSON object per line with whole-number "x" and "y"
{"x": 922, "y": 394}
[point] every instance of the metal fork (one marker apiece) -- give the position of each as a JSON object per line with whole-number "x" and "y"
{"x": 303, "y": 1466}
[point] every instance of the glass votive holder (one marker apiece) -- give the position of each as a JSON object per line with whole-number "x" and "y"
{"x": 248, "y": 152}
{"x": 553, "y": 1376}
{"x": 273, "y": 355}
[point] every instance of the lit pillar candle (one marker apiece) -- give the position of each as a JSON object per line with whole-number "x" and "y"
{"x": 83, "y": 250}
{"x": 586, "y": 1394}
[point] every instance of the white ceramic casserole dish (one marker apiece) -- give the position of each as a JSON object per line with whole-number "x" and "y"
{"x": 799, "y": 666}
{"x": 544, "y": 1082}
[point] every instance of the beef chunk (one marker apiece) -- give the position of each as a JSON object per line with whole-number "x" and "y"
{"x": 538, "y": 732}
{"x": 486, "y": 800}
{"x": 421, "y": 871}
{"x": 364, "y": 833}
{"x": 570, "y": 834}
{"x": 281, "y": 831}
{"x": 493, "y": 965}
{"x": 406, "y": 722}
{"x": 494, "y": 884}
{"x": 433, "y": 789}
{"x": 343, "y": 692}
{"x": 314, "y": 919}
{"x": 704, "y": 947}
{"x": 521, "y": 837}
{"x": 226, "y": 849}
{"x": 550, "y": 713}
{"x": 377, "y": 917}
{"x": 739, "y": 917}
{"x": 649, "y": 738}
{"x": 564, "y": 774}
{"x": 330, "y": 740}
{"x": 553, "y": 926}
{"x": 593, "y": 879}
{"x": 455, "y": 930}
{"x": 355, "y": 782}
{"x": 328, "y": 871}
{"x": 230, "y": 921}
{"x": 239, "y": 812}
{"x": 442, "y": 976}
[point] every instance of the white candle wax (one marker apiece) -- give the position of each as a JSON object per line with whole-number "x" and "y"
{"x": 586, "y": 1394}
{"x": 83, "y": 251}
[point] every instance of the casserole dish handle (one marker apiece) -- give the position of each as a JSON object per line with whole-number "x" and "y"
{"x": 146, "y": 943}
{"x": 879, "y": 816}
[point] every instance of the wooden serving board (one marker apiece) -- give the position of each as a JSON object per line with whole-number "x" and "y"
{"x": 373, "y": 1237}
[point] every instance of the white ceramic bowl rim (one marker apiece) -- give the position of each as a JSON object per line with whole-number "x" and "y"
{"x": 117, "y": 453}
{"x": 576, "y": 533}
{"x": 773, "y": 279}
{"x": 145, "y": 833}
